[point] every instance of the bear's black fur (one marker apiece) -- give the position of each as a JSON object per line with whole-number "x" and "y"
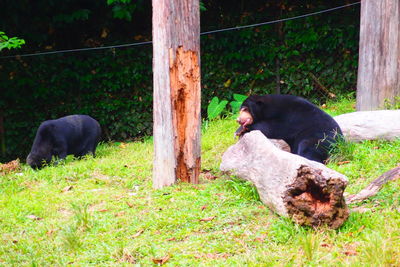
{"x": 308, "y": 130}
{"x": 75, "y": 134}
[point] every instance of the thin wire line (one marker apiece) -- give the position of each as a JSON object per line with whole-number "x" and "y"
{"x": 280, "y": 20}
{"x": 203, "y": 33}
{"x": 79, "y": 50}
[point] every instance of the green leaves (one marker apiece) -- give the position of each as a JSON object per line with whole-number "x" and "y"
{"x": 9, "y": 43}
{"x": 123, "y": 9}
{"x": 215, "y": 107}
{"x": 237, "y": 102}
{"x": 202, "y": 6}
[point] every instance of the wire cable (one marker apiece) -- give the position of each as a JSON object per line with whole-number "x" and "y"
{"x": 280, "y": 20}
{"x": 79, "y": 50}
{"x": 203, "y": 33}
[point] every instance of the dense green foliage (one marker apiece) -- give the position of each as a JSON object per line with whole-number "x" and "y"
{"x": 300, "y": 57}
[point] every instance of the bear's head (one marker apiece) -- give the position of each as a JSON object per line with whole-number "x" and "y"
{"x": 250, "y": 112}
{"x": 37, "y": 160}
{"x": 42, "y": 148}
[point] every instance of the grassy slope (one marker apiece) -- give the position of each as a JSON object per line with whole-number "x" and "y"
{"x": 112, "y": 216}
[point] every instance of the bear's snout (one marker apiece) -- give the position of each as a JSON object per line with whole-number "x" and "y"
{"x": 245, "y": 117}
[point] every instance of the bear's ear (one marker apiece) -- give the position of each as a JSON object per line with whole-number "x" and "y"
{"x": 259, "y": 102}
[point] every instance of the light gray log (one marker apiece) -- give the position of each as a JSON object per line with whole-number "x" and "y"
{"x": 292, "y": 186}
{"x": 281, "y": 144}
{"x": 370, "y": 125}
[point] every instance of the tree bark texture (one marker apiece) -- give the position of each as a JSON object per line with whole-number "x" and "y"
{"x": 176, "y": 100}
{"x": 306, "y": 191}
{"x": 379, "y": 54}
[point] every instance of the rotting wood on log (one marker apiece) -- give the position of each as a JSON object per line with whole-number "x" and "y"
{"x": 185, "y": 93}
{"x": 313, "y": 200}
{"x": 373, "y": 188}
{"x": 306, "y": 191}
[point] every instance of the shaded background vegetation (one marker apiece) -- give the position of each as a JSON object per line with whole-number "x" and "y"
{"x": 300, "y": 57}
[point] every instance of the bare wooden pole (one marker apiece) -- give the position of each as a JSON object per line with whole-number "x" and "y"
{"x": 379, "y": 54}
{"x": 176, "y": 101}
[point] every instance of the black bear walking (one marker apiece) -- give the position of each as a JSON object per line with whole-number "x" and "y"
{"x": 309, "y": 131}
{"x": 75, "y": 134}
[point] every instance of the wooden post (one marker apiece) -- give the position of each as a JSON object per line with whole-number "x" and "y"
{"x": 176, "y": 101}
{"x": 379, "y": 54}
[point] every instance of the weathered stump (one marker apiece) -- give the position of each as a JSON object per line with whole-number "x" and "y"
{"x": 292, "y": 186}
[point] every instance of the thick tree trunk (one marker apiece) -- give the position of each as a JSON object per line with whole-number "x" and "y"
{"x": 292, "y": 186}
{"x": 176, "y": 102}
{"x": 379, "y": 54}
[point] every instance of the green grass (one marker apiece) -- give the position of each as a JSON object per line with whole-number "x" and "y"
{"x": 111, "y": 216}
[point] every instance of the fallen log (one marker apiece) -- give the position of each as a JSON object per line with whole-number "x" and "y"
{"x": 373, "y": 188}
{"x": 370, "y": 125}
{"x": 292, "y": 186}
{"x": 281, "y": 144}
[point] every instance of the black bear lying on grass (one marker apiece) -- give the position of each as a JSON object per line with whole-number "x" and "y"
{"x": 309, "y": 131}
{"x": 75, "y": 134}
